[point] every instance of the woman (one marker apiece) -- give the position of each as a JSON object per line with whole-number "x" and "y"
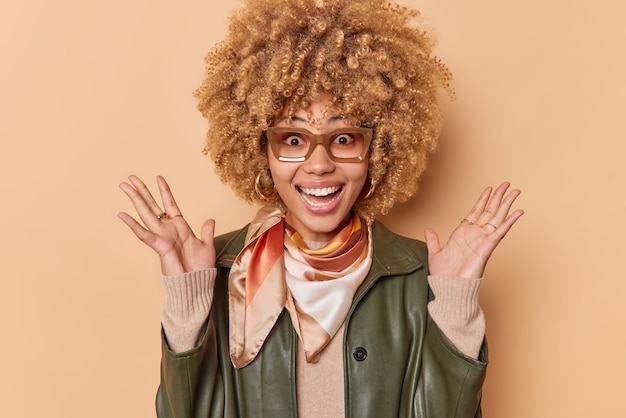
{"x": 325, "y": 112}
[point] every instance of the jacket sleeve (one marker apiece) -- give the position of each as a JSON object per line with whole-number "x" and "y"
{"x": 459, "y": 394}
{"x": 449, "y": 382}
{"x": 192, "y": 382}
{"x": 188, "y": 365}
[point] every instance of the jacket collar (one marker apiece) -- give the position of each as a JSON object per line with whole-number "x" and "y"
{"x": 391, "y": 255}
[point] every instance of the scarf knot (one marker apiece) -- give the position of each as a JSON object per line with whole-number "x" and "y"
{"x": 276, "y": 270}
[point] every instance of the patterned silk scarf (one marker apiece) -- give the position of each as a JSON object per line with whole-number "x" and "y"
{"x": 275, "y": 270}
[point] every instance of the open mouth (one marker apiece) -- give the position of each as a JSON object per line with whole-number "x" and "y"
{"x": 320, "y": 197}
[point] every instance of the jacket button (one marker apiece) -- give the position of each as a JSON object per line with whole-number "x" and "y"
{"x": 359, "y": 354}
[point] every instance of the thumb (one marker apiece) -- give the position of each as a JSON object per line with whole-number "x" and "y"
{"x": 207, "y": 231}
{"x": 432, "y": 241}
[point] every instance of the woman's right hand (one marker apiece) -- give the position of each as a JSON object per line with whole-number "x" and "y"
{"x": 179, "y": 250}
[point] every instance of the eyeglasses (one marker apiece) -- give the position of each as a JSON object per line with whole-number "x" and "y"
{"x": 345, "y": 145}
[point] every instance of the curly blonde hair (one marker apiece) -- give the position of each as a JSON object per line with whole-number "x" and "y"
{"x": 370, "y": 56}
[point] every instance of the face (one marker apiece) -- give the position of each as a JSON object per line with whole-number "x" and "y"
{"x": 319, "y": 193}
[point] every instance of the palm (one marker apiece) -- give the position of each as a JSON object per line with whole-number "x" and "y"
{"x": 170, "y": 237}
{"x": 471, "y": 244}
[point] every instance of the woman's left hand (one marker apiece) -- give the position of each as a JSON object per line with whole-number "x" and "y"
{"x": 474, "y": 240}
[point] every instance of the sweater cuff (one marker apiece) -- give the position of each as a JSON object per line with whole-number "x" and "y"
{"x": 456, "y": 312}
{"x": 187, "y": 305}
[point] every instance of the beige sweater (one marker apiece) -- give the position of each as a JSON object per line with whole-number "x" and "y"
{"x": 319, "y": 386}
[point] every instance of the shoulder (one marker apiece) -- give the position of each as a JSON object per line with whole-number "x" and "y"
{"x": 396, "y": 255}
{"x": 387, "y": 242}
{"x": 228, "y": 245}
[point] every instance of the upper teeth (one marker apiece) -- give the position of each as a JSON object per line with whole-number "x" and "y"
{"x": 324, "y": 191}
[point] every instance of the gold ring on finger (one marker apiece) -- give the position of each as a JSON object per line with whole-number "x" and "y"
{"x": 467, "y": 220}
{"x": 162, "y": 215}
{"x": 490, "y": 224}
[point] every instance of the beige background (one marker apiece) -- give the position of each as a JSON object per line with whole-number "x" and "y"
{"x": 93, "y": 91}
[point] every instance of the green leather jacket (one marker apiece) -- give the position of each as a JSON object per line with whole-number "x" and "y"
{"x": 397, "y": 362}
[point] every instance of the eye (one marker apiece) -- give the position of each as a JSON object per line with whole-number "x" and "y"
{"x": 293, "y": 140}
{"x": 343, "y": 139}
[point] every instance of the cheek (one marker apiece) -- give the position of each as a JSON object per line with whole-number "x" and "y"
{"x": 359, "y": 174}
{"x": 282, "y": 173}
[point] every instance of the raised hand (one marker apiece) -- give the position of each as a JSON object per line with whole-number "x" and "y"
{"x": 471, "y": 244}
{"x": 166, "y": 231}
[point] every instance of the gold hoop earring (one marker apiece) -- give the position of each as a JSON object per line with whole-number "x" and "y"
{"x": 370, "y": 189}
{"x": 259, "y": 191}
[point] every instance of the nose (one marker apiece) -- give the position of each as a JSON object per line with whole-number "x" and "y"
{"x": 319, "y": 162}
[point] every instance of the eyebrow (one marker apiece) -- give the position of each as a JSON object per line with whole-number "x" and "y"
{"x": 303, "y": 120}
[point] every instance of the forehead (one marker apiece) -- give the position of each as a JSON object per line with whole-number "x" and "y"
{"x": 318, "y": 114}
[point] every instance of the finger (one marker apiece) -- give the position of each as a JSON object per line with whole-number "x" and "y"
{"x": 432, "y": 241}
{"x": 207, "y": 232}
{"x": 145, "y": 194}
{"x": 146, "y": 214}
{"x": 140, "y": 232}
{"x": 505, "y": 206}
{"x": 506, "y": 225}
{"x": 169, "y": 203}
{"x": 488, "y": 225}
{"x": 493, "y": 204}
{"x": 478, "y": 208}
{"x": 496, "y": 237}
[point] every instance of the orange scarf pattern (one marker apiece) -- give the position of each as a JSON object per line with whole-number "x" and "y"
{"x": 275, "y": 270}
